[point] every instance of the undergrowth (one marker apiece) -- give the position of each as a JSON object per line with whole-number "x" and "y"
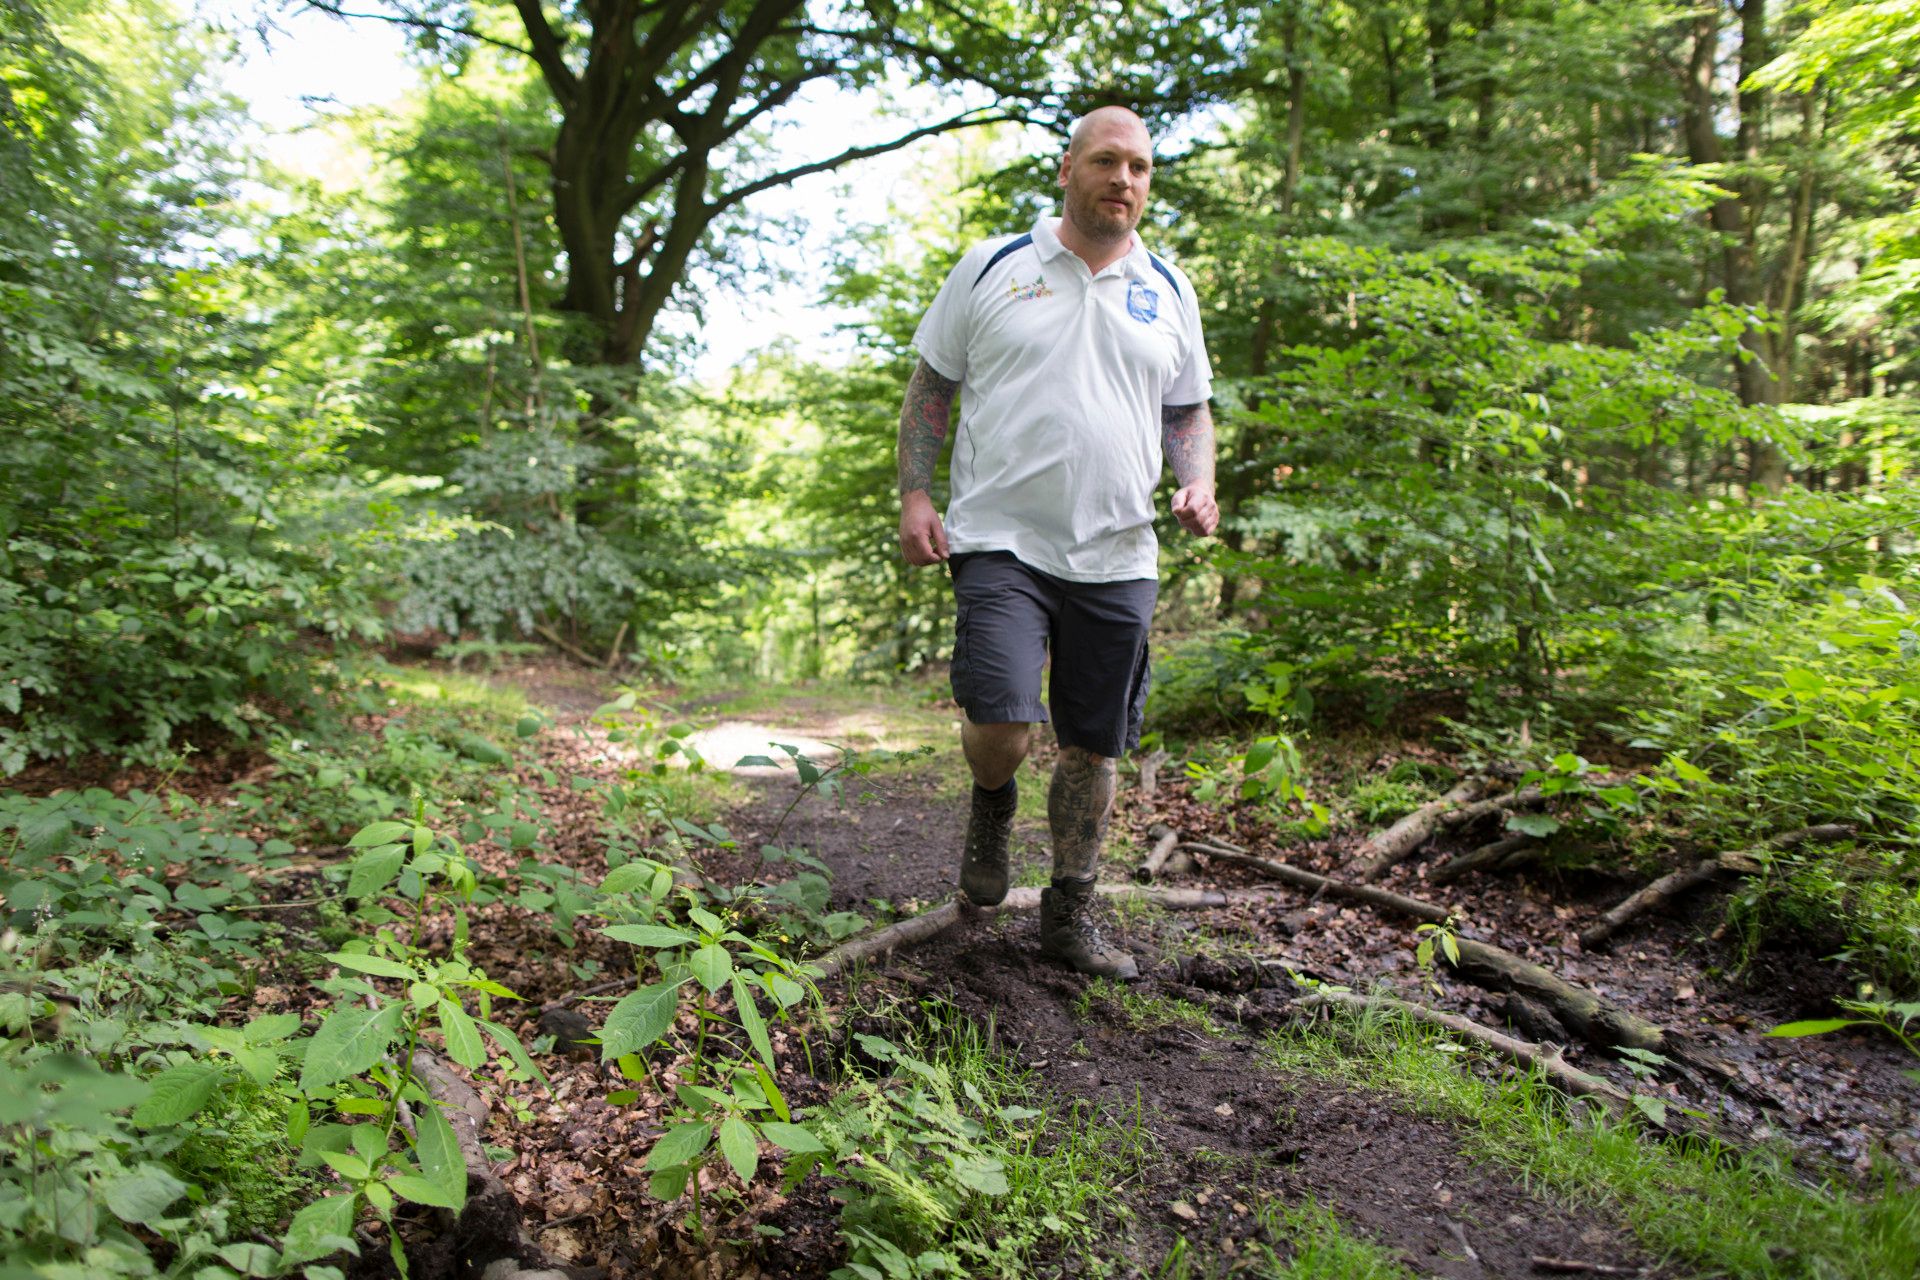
{"x": 1747, "y": 1212}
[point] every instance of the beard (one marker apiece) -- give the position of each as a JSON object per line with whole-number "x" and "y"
{"x": 1096, "y": 221}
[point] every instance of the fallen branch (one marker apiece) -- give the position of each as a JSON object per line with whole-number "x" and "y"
{"x": 554, "y": 638}
{"x": 1673, "y": 884}
{"x": 1398, "y": 903}
{"x": 1164, "y": 840}
{"x": 1545, "y": 1058}
{"x": 1499, "y": 855}
{"x": 1393, "y": 846}
{"x": 933, "y": 923}
{"x": 1583, "y": 1012}
{"x": 1525, "y": 798}
{"x": 1574, "y": 1267}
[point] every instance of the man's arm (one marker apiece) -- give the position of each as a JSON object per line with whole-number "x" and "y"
{"x": 923, "y": 429}
{"x": 1186, "y": 438}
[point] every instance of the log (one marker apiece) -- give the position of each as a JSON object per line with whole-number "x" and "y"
{"x": 1150, "y": 772}
{"x": 1393, "y": 846}
{"x": 1398, "y": 903}
{"x": 1585, "y": 1013}
{"x": 1164, "y": 840}
{"x": 1675, "y": 883}
{"x": 1545, "y": 1058}
{"x": 1495, "y": 855}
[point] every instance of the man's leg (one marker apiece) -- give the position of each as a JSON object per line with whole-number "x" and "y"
{"x": 999, "y": 650}
{"x": 1079, "y": 805}
{"x": 994, "y": 753}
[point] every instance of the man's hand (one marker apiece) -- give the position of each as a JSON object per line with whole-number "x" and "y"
{"x": 923, "y": 539}
{"x": 1195, "y": 509}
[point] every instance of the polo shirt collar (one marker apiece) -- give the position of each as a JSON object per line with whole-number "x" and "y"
{"x": 1046, "y": 240}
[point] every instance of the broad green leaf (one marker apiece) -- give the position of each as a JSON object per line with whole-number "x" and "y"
{"x": 649, "y": 935}
{"x": 1537, "y": 825}
{"x": 271, "y": 1027}
{"x": 178, "y": 1093}
{"x": 752, "y": 1022}
{"x": 412, "y": 1186}
{"x": 380, "y": 833}
{"x": 464, "y": 1045}
{"x": 668, "y": 1184}
{"x": 627, "y": 877}
{"x": 981, "y": 1173}
{"x": 378, "y": 966}
{"x": 711, "y": 965}
{"x": 349, "y": 1042}
{"x": 142, "y": 1194}
{"x": 510, "y": 1045}
{"x": 639, "y": 1019}
{"x": 738, "y": 1146}
{"x": 775, "y": 1098}
{"x": 679, "y": 1145}
{"x": 1815, "y": 1027}
{"x": 375, "y": 869}
{"x": 791, "y": 1137}
{"x": 439, "y": 1151}
{"x": 321, "y": 1228}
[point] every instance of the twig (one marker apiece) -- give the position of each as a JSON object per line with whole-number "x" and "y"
{"x": 1573, "y": 1267}
{"x": 1398, "y": 903}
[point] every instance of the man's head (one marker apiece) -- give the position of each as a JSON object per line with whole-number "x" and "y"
{"x": 1105, "y": 174}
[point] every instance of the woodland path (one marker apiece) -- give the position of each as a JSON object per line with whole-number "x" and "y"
{"x": 1224, "y": 1126}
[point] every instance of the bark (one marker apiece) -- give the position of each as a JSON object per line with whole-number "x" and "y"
{"x": 1544, "y": 1058}
{"x": 1668, "y": 887}
{"x": 1150, "y": 773}
{"x": 1164, "y": 840}
{"x": 1397, "y": 842}
{"x": 1467, "y": 815}
{"x": 1496, "y": 856}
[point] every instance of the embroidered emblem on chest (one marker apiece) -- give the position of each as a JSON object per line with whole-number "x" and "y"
{"x": 1143, "y": 304}
{"x": 1028, "y": 292}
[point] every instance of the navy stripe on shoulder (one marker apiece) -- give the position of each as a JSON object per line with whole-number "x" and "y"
{"x": 1011, "y": 246}
{"x": 1164, "y": 270}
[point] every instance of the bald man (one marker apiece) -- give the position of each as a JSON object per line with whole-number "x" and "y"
{"x": 1085, "y": 373}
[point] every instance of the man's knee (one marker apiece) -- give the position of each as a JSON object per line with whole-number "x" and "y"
{"x": 1082, "y": 760}
{"x": 995, "y": 751}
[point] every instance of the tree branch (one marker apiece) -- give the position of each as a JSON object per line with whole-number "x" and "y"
{"x": 546, "y": 52}
{"x": 965, "y": 120}
{"x": 423, "y": 24}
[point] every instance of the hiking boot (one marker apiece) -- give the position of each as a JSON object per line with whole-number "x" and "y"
{"x": 983, "y": 867}
{"x": 1068, "y": 931}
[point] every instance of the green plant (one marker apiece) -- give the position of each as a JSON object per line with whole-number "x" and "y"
{"x": 727, "y": 1099}
{"x": 1896, "y": 1018}
{"x": 1270, "y": 775}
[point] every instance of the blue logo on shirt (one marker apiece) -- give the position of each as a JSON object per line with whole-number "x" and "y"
{"x": 1143, "y": 304}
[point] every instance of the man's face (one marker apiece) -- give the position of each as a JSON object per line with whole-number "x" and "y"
{"x": 1106, "y": 178}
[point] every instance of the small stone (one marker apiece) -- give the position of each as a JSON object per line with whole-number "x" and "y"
{"x": 1181, "y": 1209}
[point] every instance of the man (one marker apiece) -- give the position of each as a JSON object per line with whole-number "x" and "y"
{"x": 1083, "y": 364}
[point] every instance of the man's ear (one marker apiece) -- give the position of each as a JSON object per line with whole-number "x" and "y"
{"x": 1066, "y": 163}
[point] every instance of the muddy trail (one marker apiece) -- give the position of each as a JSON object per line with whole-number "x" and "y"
{"x": 1226, "y": 1125}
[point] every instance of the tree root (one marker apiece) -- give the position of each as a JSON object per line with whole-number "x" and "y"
{"x": 1545, "y": 1058}
{"x": 1673, "y": 884}
{"x": 1501, "y": 855}
{"x": 1394, "y": 845}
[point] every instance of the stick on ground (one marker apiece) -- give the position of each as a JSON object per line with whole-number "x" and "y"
{"x": 1675, "y": 883}
{"x": 1164, "y": 840}
{"x": 1397, "y": 842}
{"x": 1487, "y": 856}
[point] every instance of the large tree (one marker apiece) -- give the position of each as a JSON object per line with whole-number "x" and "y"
{"x": 659, "y": 103}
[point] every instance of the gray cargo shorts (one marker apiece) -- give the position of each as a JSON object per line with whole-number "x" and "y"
{"x": 1011, "y": 615}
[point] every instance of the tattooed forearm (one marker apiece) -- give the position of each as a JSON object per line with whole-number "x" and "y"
{"x": 923, "y": 426}
{"x": 1078, "y": 805}
{"x": 1186, "y": 437}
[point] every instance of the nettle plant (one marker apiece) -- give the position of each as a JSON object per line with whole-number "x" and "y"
{"x": 704, "y": 1007}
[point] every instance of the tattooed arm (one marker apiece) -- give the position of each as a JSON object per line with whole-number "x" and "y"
{"x": 1186, "y": 438}
{"x": 923, "y": 429}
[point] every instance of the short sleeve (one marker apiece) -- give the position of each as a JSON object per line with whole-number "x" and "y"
{"x": 1193, "y": 382}
{"x": 945, "y": 330}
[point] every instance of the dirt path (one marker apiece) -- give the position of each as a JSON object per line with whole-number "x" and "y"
{"x": 1228, "y": 1126}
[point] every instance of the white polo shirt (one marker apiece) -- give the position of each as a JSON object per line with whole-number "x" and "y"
{"x": 1063, "y": 375}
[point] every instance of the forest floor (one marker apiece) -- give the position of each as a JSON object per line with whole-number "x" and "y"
{"x": 1192, "y": 1062}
